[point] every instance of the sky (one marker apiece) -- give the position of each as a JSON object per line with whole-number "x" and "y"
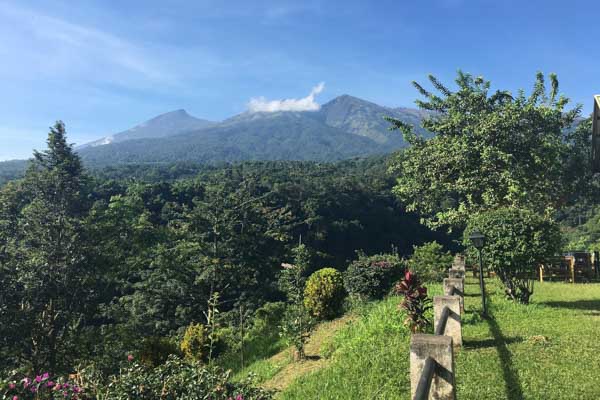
{"x": 104, "y": 66}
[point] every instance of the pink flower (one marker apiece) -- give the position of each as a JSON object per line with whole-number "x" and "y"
{"x": 26, "y": 382}
{"x": 130, "y": 358}
{"x": 15, "y": 397}
{"x": 45, "y": 376}
{"x": 50, "y": 384}
{"x": 38, "y": 379}
{"x": 11, "y": 385}
{"x": 239, "y": 397}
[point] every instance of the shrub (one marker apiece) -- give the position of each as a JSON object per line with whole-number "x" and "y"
{"x": 370, "y": 278}
{"x": 324, "y": 293}
{"x": 517, "y": 241}
{"x": 156, "y": 350}
{"x": 416, "y": 303}
{"x": 430, "y": 262}
{"x": 42, "y": 387}
{"x": 194, "y": 343}
{"x": 179, "y": 379}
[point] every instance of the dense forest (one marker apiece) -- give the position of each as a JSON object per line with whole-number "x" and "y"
{"x": 95, "y": 267}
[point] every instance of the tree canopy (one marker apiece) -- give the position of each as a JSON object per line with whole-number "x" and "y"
{"x": 488, "y": 150}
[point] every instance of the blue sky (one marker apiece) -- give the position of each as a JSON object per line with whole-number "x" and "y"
{"x": 104, "y": 66}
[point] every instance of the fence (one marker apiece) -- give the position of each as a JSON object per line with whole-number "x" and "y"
{"x": 432, "y": 356}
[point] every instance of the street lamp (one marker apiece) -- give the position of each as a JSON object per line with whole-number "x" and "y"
{"x": 478, "y": 241}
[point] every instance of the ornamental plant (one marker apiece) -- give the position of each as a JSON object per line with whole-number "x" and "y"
{"x": 324, "y": 294}
{"x": 41, "y": 387}
{"x": 372, "y": 277}
{"x": 415, "y": 302}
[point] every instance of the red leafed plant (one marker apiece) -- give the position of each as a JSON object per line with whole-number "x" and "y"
{"x": 415, "y": 302}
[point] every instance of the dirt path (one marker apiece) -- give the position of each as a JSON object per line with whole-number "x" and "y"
{"x": 314, "y": 362}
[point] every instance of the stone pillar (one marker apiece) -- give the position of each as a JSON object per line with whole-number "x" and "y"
{"x": 459, "y": 262}
{"x": 456, "y": 273}
{"x": 453, "y": 325}
{"x": 459, "y": 284}
{"x": 441, "y": 350}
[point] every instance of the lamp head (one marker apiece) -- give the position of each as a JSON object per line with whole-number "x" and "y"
{"x": 477, "y": 239}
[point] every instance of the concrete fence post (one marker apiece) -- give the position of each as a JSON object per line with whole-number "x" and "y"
{"x": 453, "y": 325}
{"x": 456, "y": 273}
{"x": 459, "y": 285}
{"x": 459, "y": 262}
{"x": 439, "y": 348}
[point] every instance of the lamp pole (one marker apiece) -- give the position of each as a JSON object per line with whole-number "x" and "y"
{"x": 478, "y": 241}
{"x": 482, "y": 284}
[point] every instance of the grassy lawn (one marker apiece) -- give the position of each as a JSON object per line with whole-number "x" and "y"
{"x": 547, "y": 350}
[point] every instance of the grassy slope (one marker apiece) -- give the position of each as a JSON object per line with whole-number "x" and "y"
{"x": 547, "y": 350}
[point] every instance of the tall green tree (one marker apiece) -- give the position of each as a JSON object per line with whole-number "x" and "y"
{"x": 46, "y": 257}
{"x": 488, "y": 150}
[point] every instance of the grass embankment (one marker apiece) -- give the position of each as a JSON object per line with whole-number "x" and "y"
{"x": 549, "y": 349}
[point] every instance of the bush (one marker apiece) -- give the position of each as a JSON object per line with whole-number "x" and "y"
{"x": 371, "y": 278}
{"x": 430, "y": 262}
{"x": 194, "y": 342}
{"x": 156, "y": 350}
{"x": 179, "y": 379}
{"x": 517, "y": 241}
{"x": 324, "y": 294}
{"x": 41, "y": 387}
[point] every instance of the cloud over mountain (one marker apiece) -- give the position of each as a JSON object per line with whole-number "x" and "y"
{"x": 308, "y": 103}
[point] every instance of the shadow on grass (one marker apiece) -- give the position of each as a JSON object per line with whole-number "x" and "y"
{"x": 512, "y": 383}
{"x": 482, "y": 344}
{"x": 590, "y": 305}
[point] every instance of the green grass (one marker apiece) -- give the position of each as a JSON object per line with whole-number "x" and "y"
{"x": 547, "y": 350}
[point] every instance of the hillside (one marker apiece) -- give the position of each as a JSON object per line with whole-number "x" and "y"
{"x": 345, "y": 127}
{"x": 164, "y": 125}
{"x": 524, "y": 352}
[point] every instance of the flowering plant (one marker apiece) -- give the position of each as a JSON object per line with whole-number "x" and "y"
{"x": 415, "y": 303}
{"x": 41, "y": 387}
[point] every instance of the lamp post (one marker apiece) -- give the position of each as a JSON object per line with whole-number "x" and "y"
{"x": 478, "y": 241}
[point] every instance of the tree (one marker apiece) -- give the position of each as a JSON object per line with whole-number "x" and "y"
{"x": 297, "y": 322}
{"x": 488, "y": 150}
{"x": 47, "y": 258}
{"x": 517, "y": 241}
{"x": 430, "y": 262}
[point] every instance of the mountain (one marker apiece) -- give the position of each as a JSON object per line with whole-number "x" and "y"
{"x": 168, "y": 124}
{"x": 345, "y": 127}
{"x": 364, "y": 118}
{"x": 256, "y": 136}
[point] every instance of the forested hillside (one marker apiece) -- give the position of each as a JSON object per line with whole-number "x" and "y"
{"x": 139, "y": 259}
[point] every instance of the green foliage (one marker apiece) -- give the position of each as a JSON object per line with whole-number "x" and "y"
{"x": 517, "y": 241}
{"x": 430, "y": 262}
{"x": 156, "y": 350}
{"x": 489, "y": 150}
{"x": 47, "y": 260}
{"x": 297, "y": 322}
{"x": 324, "y": 294}
{"x": 194, "y": 344}
{"x": 178, "y": 379}
{"x": 372, "y": 277}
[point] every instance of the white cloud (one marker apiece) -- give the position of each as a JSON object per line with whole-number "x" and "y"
{"x": 308, "y": 103}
